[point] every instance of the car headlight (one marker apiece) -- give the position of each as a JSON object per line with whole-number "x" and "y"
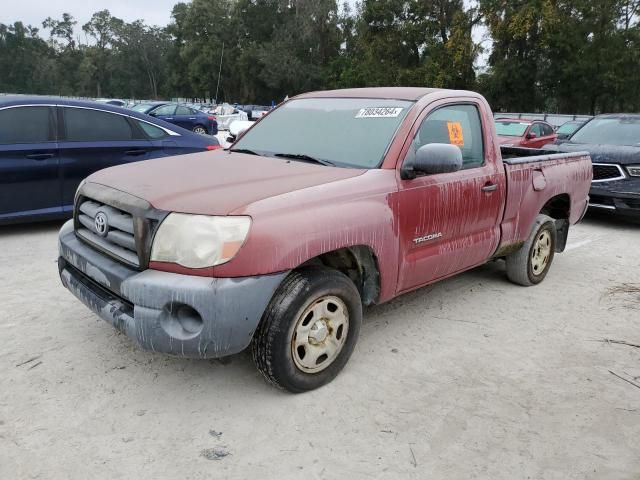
{"x": 199, "y": 241}
{"x": 634, "y": 170}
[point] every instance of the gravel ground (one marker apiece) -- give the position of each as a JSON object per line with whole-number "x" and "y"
{"x": 471, "y": 378}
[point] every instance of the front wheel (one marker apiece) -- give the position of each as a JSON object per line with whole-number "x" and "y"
{"x": 200, "y": 129}
{"x": 529, "y": 265}
{"x": 309, "y": 330}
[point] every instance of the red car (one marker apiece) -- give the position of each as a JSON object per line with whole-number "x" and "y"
{"x": 280, "y": 241}
{"x": 524, "y": 133}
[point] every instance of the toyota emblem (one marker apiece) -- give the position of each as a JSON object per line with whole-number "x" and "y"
{"x": 101, "y": 224}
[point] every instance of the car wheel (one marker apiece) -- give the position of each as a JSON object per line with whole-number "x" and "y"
{"x": 309, "y": 330}
{"x": 200, "y": 129}
{"x": 530, "y": 265}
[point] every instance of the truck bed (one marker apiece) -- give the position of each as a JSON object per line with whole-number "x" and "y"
{"x": 516, "y": 155}
{"x": 538, "y": 182}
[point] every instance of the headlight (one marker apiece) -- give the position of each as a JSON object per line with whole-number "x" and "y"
{"x": 199, "y": 241}
{"x": 634, "y": 170}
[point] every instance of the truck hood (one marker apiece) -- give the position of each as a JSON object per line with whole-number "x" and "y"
{"x": 216, "y": 183}
{"x": 622, "y": 155}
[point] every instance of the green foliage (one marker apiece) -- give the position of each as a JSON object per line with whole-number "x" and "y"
{"x": 574, "y": 56}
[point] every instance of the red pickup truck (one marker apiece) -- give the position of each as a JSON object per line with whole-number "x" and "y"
{"x": 334, "y": 201}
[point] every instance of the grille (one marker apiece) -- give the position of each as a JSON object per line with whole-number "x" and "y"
{"x": 607, "y": 172}
{"x": 109, "y": 229}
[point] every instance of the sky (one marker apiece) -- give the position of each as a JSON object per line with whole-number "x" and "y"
{"x": 153, "y": 12}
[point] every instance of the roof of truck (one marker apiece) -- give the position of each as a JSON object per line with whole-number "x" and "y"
{"x": 392, "y": 93}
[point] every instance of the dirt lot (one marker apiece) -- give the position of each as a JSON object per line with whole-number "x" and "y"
{"x": 471, "y": 378}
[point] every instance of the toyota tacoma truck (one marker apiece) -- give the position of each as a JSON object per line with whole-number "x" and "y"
{"x": 334, "y": 201}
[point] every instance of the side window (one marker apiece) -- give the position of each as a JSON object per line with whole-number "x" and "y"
{"x": 26, "y": 125}
{"x": 456, "y": 125}
{"x": 85, "y": 125}
{"x": 151, "y": 130}
{"x": 165, "y": 110}
{"x": 537, "y": 129}
{"x": 181, "y": 110}
{"x": 547, "y": 130}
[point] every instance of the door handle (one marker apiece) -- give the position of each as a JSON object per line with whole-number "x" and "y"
{"x": 490, "y": 187}
{"x": 40, "y": 156}
{"x": 192, "y": 118}
{"x": 135, "y": 153}
{"x": 168, "y": 118}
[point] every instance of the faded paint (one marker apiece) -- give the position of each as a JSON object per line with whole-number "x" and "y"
{"x": 300, "y": 211}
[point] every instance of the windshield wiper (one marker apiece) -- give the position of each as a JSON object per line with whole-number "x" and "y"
{"x": 305, "y": 158}
{"x": 244, "y": 150}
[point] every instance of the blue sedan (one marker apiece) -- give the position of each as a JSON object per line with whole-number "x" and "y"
{"x": 181, "y": 115}
{"x": 49, "y": 145}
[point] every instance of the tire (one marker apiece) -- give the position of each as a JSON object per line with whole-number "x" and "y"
{"x": 530, "y": 265}
{"x": 200, "y": 130}
{"x": 310, "y": 304}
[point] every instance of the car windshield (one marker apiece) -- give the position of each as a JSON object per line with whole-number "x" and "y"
{"x": 511, "y": 128}
{"x": 141, "y": 107}
{"x": 568, "y": 128}
{"x": 348, "y": 132}
{"x": 610, "y": 131}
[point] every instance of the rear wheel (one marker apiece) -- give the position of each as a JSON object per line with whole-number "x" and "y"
{"x": 309, "y": 329}
{"x": 530, "y": 265}
{"x": 200, "y": 129}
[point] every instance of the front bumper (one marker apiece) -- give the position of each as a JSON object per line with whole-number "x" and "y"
{"x": 621, "y": 197}
{"x": 181, "y": 315}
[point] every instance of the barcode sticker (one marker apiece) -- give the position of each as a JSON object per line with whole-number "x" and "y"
{"x": 380, "y": 112}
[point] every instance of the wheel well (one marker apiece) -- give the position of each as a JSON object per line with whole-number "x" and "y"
{"x": 559, "y": 208}
{"x": 359, "y": 264}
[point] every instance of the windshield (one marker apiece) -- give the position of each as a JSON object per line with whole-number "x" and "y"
{"x": 568, "y": 128}
{"x": 511, "y": 129}
{"x": 610, "y": 131}
{"x": 141, "y": 107}
{"x": 351, "y": 132}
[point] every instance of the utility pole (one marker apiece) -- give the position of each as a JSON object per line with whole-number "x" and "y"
{"x": 219, "y": 72}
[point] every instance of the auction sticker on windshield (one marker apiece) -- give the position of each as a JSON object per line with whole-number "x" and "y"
{"x": 380, "y": 112}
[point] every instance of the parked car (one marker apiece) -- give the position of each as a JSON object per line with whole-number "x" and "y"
{"x": 281, "y": 240}
{"x": 236, "y": 129}
{"x": 613, "y": 142}
{"x": 255, "y": 112}
{"x": 524, "y": 133}
{"x": 567, "y": 129}
{"x": 112, "y": 101}
{"x": 227, "y": 114}
{"x": 48, "y": 145}
{"x": 181, "y": 115}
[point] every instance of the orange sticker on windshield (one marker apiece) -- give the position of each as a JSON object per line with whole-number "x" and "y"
{"x": 456, "y": 137}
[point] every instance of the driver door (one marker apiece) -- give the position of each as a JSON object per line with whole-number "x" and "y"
{"x": 449, "y": 222}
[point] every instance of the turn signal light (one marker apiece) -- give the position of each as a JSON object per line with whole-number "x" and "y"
{"x": 214, "y": 147}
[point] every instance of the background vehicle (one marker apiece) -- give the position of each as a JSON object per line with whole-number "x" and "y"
{"x": 613, "y": 141}
{"x": 112, "y": 101}
{"x": 524, "y": 133}
{"x": 48, "y": 145}
{"x": 283, "y": 238}
{"x": 181, "y": 115}
{"x": 565, "y": 130}
{"x": 227, "y": 114}
{"x": 255, "y": 112}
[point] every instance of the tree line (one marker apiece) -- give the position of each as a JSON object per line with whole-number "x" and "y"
{"x": 565, "y": 56}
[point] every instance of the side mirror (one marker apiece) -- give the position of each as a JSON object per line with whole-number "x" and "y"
{"x": 432, "y": 159}
{"x": 531, "y": 136}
